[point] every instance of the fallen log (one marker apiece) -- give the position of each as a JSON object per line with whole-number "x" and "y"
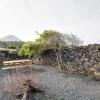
{"x": 29, "y": 87}
{"x": 14, "y": 64}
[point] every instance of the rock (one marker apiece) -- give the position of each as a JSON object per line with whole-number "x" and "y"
{"x": 96, "y": 76}
{"x": 91, "y": 71}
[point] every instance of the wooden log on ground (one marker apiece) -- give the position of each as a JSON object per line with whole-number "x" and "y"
{"x": 17, "y": 64}
{"x": 29, "y": 87}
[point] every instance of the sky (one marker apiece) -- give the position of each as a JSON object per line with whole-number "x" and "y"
{"x": 23, "y": 17}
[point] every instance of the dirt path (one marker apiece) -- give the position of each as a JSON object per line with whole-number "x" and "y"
{"x": 60, "y": 86}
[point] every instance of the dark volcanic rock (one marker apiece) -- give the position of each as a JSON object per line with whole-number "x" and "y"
{"x": 83, "y": 56}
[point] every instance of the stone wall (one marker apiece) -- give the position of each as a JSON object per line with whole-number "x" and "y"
{"x": 76, "y": 58}
{"x": 83, "y": 57}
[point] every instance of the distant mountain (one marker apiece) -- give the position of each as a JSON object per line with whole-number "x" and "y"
{"x": 10, "y": 38}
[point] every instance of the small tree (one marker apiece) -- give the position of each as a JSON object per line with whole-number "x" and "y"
{"x": 27, "y": 49}
{"x": 50, "y": 39}
{"x": 53, "y": 40}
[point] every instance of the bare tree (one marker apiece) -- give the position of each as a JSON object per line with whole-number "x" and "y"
{"x": 72, "y": 40}
{"x": 57, "y": 40}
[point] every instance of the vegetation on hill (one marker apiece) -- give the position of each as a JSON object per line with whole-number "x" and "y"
{"x": 11, "y": 45}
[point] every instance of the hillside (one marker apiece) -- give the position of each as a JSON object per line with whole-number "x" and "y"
{"x": 10, "y": 38}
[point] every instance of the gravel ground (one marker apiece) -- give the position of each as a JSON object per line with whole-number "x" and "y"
{"x": 59, "y": 86}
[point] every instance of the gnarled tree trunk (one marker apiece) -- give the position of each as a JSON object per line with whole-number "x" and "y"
{"x": 29, "y": 87}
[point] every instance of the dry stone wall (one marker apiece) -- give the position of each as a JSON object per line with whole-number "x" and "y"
{"x": 77, "y": 58}
{"x": 84, "y": 56}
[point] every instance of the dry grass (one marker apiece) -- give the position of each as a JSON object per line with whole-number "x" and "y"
{"x": 13, "y": 83}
